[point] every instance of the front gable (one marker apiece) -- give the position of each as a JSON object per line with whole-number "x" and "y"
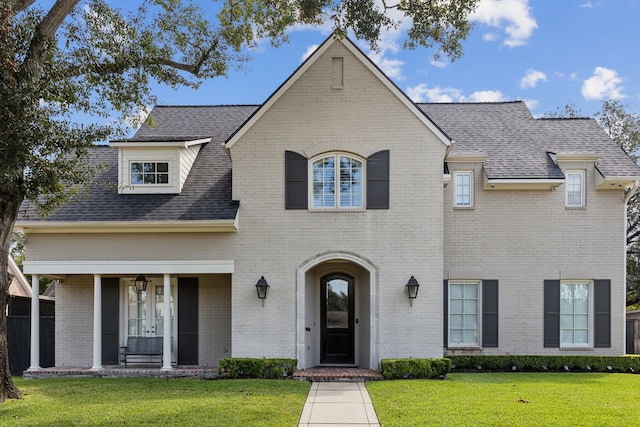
{"x": 337, "y": 66}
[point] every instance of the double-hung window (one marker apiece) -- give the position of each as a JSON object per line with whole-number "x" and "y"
{"x": 149, "y": 173}
{"x": 575, "y": 300}
{"x": 575, "y": 189}
{"x": 464, "y": 320}
{"x": 463, "y": 197}
{"x": 337, "y": 182}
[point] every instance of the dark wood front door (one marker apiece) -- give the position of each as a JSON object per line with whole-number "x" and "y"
{"x": 337, "y": 313}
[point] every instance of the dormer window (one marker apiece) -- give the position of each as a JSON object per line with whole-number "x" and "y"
{"x": 149, "y": 173}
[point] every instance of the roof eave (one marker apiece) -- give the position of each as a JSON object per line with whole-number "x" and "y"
{"x": 78, "y": 227}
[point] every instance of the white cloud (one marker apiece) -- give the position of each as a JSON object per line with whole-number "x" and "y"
{"x": 439, "y": 63}
{"x": 604, "y": 84}
{"x": 532, "y": 78}
{"x": 587, "y": 5}
{"x": 423, "y": 93}
{"x": 309, "y": 51}
{"x": 512, "y": 16}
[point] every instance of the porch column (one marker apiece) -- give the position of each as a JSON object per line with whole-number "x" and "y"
{"x": 35, "y": 323}
{"x": 97, "y": 322}
{"x": 166, "y": 327}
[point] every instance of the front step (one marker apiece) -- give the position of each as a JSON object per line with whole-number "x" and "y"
{"x": 327, "y": 374}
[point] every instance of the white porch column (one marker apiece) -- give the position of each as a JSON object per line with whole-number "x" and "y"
{"x": 35, "y": 323}
{"x": 97, "y": 322}
{"x": 166, "y": 327}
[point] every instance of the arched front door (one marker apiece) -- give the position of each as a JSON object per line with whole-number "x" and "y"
{"x": 337, "y": 317}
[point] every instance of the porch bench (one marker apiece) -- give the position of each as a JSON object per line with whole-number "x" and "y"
{"x": 141, "y": 346}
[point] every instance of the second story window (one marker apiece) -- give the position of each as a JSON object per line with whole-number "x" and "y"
{"x": 463, "y": 197}
{"x": 337, "y": 182}
{"x": 575, "y": 189}
{"x": 149, "y": 173}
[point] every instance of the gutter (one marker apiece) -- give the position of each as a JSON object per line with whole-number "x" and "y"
{"x": 632, "y": 191}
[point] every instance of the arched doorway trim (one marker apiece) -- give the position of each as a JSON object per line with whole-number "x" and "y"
{"x": 301, "y": 273}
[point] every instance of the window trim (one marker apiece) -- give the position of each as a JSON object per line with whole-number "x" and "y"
{"x": 590, "y": 320}
{"x": 471, "y": 204}
{"x": 336, "y": 155}
{"x": 583, "y": 201}
{"x": 152, "y": 185}
{"x": 479, "y": 313}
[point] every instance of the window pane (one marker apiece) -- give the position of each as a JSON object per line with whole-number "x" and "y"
{"x": 136, "y": 178}
{"x": 149, "y": 167}
{"x": 163, "y": 167}
{"x": 456, "y": 306}
{"x": 455, "y": 291}
{"x": 470, "y": 306}
{"x": 455, "y": 336}
{"x": 136, "y": 167}
{"x": 163, "y": 178}
{"x": 350, "y": 182}
{"x": 470, "y": 336}
{"x": 566, "y": 321}
{"x": 581, "y": 336}
{"x": 324, "y": 182}
{"x": 149, "y": 178}
{"x": 456, "y": 321}
{"x": 470, "y": 321}
{"x": 471, "y": 291}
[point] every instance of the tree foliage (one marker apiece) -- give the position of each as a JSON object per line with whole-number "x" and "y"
{"x": 624, "y": 129}
{"x": 91, "y": 59}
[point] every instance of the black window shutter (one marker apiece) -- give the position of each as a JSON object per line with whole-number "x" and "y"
{"x": 489, "y": 313}
{"x": 187, "y": 321}
{"x": 602, "y": 303}
{"x": 445, "y": 298}
{"x": 110, "y": 324}
{"x": 296, "y": 188}
{"x": 552, "y": 313}
{"x": 378, "y": 180}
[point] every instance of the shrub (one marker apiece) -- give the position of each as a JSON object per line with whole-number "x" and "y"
{"x": 629, "y": 364}
{"x": 244, "y": 367}
{"x": 414, "y": 368}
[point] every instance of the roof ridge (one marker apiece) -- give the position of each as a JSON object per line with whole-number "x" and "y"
{"x": 566, "y": 118}
{"x": 207, "y": 106}
{"x": 471, "y": 103}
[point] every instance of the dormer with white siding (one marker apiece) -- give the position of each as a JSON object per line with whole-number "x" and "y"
{"x": 155, "y": 167}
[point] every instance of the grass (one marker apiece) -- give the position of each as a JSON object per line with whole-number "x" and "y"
{"x": 157, "y": 402}
{"x": 509, "y": 399}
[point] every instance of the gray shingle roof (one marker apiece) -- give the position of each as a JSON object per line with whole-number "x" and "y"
{"x": 206, "y": 194}
{"x": 516, "y": 144}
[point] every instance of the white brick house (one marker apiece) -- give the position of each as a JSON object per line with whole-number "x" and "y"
{"x": 514, "y": 228}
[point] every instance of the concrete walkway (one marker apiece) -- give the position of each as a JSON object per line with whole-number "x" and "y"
{"x": 338, "y": 404}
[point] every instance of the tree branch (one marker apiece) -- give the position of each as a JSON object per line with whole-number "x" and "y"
{"x": 20, "y": 5}
{"x": 45, "y": 31}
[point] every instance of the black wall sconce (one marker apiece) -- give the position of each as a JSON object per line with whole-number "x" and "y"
{"x": 262, "y": 287}
{"x": 140, "y": 283}
{"x": 412, "y": 289}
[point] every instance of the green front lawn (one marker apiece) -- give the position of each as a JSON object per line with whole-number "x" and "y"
{"x": 510, "y": 399}
{"x": 156, "y": 402}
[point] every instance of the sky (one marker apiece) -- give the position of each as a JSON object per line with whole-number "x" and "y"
{"x": 547, "y": 53}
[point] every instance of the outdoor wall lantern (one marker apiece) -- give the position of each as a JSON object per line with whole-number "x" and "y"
{"x": 412, "y": 289}
{"x": 262, "y": 287}
{"x": 140, "y": 282}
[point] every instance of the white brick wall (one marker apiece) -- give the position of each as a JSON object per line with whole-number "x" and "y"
{"x": 522, "y": 238}
{"x": 74, "y": 322}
